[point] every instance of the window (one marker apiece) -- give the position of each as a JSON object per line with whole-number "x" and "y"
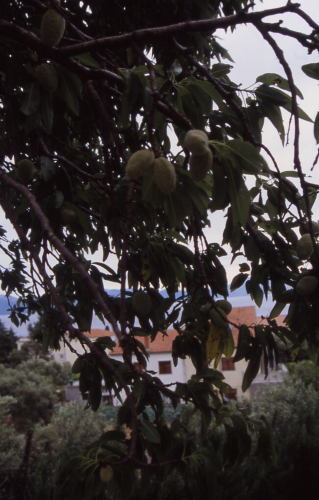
{"x": 228, "y": 364}
{"x": 164, "y": 367}
{"x": 61, "y": 356}
{"x": 232, "y": 394}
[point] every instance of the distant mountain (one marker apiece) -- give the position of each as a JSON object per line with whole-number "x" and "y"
{"x": 238, "y": 298}
{"x": 4, "y": 306}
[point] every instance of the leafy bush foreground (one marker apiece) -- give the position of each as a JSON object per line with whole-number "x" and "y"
{"x": 292, "y": 407}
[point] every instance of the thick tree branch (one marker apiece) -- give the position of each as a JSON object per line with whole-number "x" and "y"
{"x": 208, "y": 25}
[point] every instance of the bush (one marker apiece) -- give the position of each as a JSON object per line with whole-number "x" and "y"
{"x": 11, "y": 444}
{"x": 293, "y": 409}
{"x": 51, "y": 447}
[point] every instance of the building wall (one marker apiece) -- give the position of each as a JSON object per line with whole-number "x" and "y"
{"x": 160, "y": 351}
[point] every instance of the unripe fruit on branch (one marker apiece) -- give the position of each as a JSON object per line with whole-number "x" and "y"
{"x": 196, "y": 141}
{"x": 200, "y": 165}
{"x": 106, "y": 474}
{"x": 224, "y": 305}
{"x": 141, "y": 303}
{"x": 67, "y": 215}
{"x": 140, "y": 163}
{"x": 52, "y": 28}
{"x": 305, "y": 228}
{"x": 47, "y": 77}
{"x": 219, "y": 317}
{"x": 77, "y": 366}
{"x": 25, "y": 171}
{"x": 304, "y": 247}
{"x": 164, "y": 175}
{"x": 306, "y": 285}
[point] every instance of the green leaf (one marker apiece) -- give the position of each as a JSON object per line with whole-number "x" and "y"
{"x": 301, "y": 113}
{"x": 47, "y": 167}
{"x": 316, "y": 128}
{"x": 95, "y": 392}
{"x": 244, "y": 152}
{"x": 70, "y": 87}
{"x": 277, "y": 309}
{"x": 243, "y": 343}
{"x": 46, "y": 111}
{"x": 253, "y": 367}
{"x": 150, "y": 432}
{"x": 202, "y": 99}
{"x": 311, "y": 70}
{"x": 106, "y": 342}
{"x": 113, "y": 435}
{"x": 269, "y": 94}
{"x": 211, "y": 91}
{"x": 238, "y": 281}
{"x": 240, "y": 201}
{"x": 250, "y": 160}
{"x": 273, "y": 113}
{"x": 32, "y": 100}
{"x": 220, "y": 69}
{"x": 279, "y": 81}
{"x": 87, "y": 60}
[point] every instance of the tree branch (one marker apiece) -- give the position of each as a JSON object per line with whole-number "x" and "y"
{"x": 57, "y": 243}
{"x": 208, "y": 25}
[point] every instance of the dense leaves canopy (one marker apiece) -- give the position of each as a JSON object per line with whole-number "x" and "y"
{"x": 138, "y": 75}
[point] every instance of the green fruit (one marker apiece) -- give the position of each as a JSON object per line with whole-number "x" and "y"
{"x": 305, "y": 228}
{"x": 164, "y": 175}
{"x": 106, "y": 474}
{"x": 52, "y": 28}
{"x": 25, "y": 169}
{"x": 47, "y": 76}
{"x": 304, "y": 247}
{"x": 306, "y": 285}
{"x": 199, "y": 166}
{"x": 67, "y": 215}
{"x": 287, "y": 296}
{"x": 219, "y": 317}
{"x": 141, "y": 303}
{"x": 78, "y": 365}
{"x": 196, "y": 141}
{"x": 224, "y": 305}
{"x": 140, "y": 163}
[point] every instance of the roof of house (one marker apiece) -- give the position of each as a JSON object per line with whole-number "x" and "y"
{"x": 163, "y": 343}
{"x": 242, "y": 315}
{"x": 279, "y": 320}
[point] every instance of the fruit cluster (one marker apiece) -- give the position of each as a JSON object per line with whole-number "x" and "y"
{"x": 201, "y": 160}
{"x": 52, "y": 28}
{"x": 143, "y": 161}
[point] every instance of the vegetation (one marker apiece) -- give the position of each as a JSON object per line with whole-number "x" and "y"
{"x": 293, "y": 409}
{"x": 36, "y": 386}
{"x": 8, "y": 342}
{"x": 120, "y": 78}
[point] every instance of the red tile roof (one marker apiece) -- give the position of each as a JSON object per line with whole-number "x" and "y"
{"x": 163, "y": 343}
{"x": 279, "y": 320}
{"x": 242, "y": 315}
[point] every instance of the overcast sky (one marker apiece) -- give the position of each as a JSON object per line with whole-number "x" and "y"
{"x": 253, "y": 57}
